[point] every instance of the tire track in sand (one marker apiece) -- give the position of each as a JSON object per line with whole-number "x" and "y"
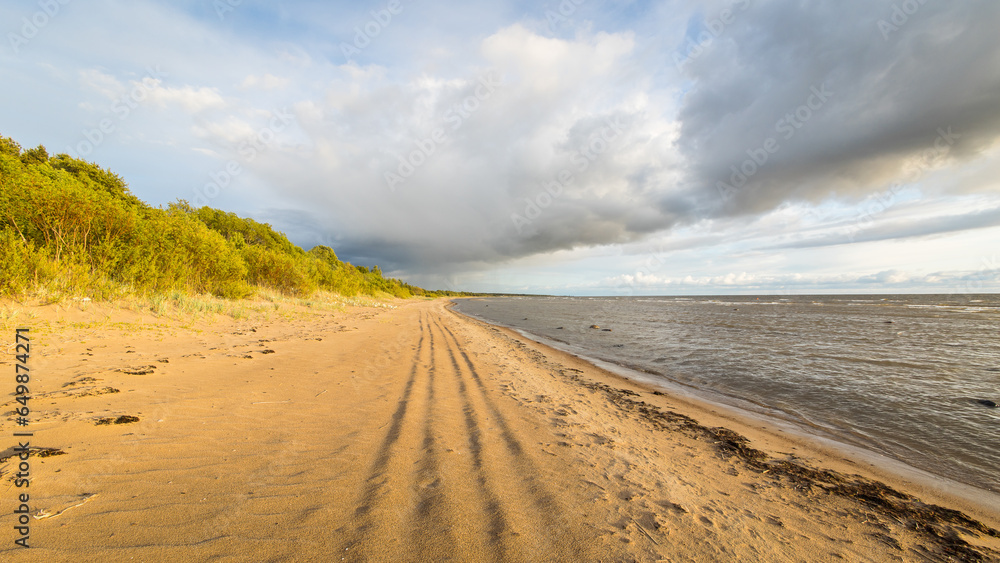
{"x": 403, "y": 511}
{"x": 375, "y": 484}
{"x": 521, "y": 466}
{"x": 496, "y": 523}
{"x": 432, "y": 514}
{"x": 450, "y": 479}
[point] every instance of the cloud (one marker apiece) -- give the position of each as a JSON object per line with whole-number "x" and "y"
{"x": 849, "y": 112}
{"x": 886, "y": 280}
{"x": 552, "y": 65}
{"x": 151, "y": 88}
{"x": 890, "y": 97}
{"x": 231, "y": 131}
{"x": 867, "y": 229}
{"x": 505, "y": 131}
{"x": 101, "y": 82}
{"x": 191, "y": 99}
{"x": 265, "y": 82}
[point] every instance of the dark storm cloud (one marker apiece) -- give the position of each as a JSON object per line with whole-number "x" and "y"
{"x": 896, "y": 81}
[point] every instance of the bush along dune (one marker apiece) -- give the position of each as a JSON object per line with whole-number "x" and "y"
{"x": 69, "y": 227}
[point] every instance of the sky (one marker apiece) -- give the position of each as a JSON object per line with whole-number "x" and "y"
{"x": 572, "y": 147}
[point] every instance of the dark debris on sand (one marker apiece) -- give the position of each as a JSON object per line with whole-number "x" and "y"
{"x": 123, "y": 419}
{"x": 11, "y": 453}
{"x": 138, "y": 370}
{"x": 939, "y": 525}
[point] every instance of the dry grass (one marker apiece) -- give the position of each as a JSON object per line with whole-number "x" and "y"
{"x": 176, "y": 308}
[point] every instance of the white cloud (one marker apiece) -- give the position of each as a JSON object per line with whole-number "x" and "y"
{"x": 968, "y": 281}
{"x": 191, "y": 99}
{"x": 265, "y": 82}
{"x": 101, "y": 82}
{"x": 207, "y": 152}
{"x": 230, "y": 131}
{"x": 552, "y": 65}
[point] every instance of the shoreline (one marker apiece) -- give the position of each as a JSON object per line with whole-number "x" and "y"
{"x": 767, "y": 435}
{"x": 845, "y": 456}
{"x": 412, "y": 432}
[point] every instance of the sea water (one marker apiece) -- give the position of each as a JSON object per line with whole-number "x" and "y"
{"x": 900, "y": 375}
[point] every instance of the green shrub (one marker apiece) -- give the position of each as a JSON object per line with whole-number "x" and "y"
{"x": 68, "y": 226}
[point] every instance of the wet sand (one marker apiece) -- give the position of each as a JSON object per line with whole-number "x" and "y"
{"x": 416, "y": 434}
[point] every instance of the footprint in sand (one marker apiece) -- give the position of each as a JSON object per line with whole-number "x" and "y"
{"x": 84, "y": 387}
{"x": 627, "y": 495}
{"x": 671, "y": 506}
{"x": 599, "y": 439}
{"x": 81, "y": 381}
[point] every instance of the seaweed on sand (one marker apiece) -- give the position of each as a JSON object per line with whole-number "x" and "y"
{"x": 938, "y": 525}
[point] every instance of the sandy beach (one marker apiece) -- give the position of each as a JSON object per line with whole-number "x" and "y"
{"x": 412, "y": 433}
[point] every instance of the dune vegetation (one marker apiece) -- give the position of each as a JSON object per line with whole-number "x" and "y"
{"x": 70, "y": 228}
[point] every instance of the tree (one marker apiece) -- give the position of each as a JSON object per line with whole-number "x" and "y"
{"x": 10, "y": 147}
{"x": 37, "y": 155}
{"x": 95, "y": 176}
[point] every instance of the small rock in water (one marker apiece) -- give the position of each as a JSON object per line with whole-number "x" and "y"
{"x": 559, "y": 328}
{"x": 987, "y": 403}
{"x": 889, "y": 322}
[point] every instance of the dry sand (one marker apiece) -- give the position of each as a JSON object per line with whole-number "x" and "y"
{"x": 414, "y": 434}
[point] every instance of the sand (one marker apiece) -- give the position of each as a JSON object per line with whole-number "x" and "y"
{"x": 415, "y": 434}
